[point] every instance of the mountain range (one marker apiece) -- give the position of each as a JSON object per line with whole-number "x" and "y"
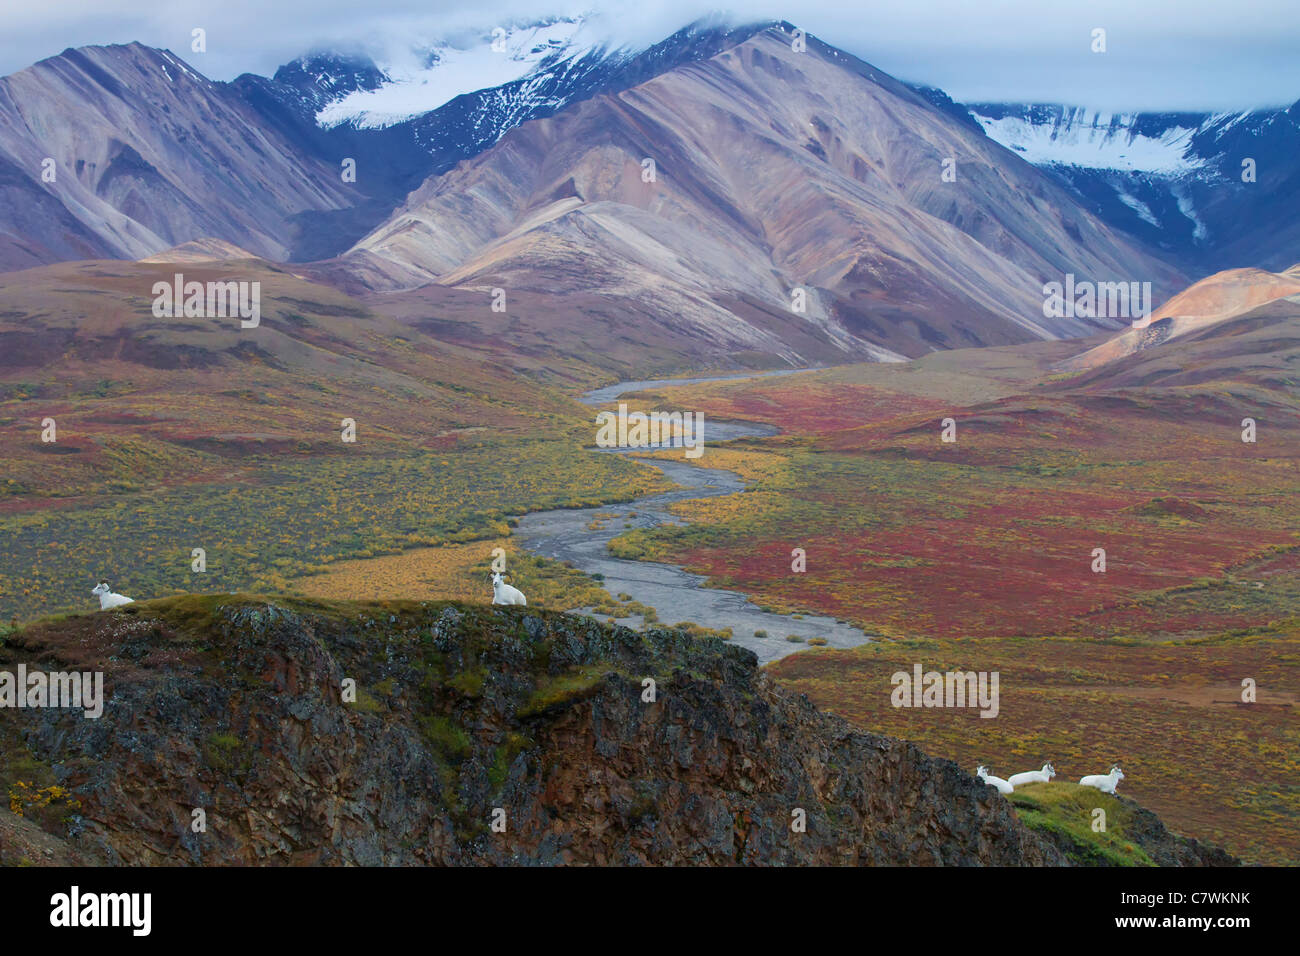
{"x": 803, "y": 206}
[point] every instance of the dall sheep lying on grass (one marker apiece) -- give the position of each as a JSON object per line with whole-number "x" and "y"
{"x": 1105, "y": 782}
{"x": 107, "y": 598}
{"x": 503, "y": 593}
{"x": 1033, "y": 776}
{"x": 1002, "y": 785}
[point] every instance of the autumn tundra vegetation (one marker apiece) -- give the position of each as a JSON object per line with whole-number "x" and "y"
{"x": 979, "y": 555}
{"x": 976, "y": 554}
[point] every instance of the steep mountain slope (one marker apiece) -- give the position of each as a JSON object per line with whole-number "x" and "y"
{"x": 1174, "y": 180}
{"x": 147, "y": 154}
{"x": 347, "y": 105}
{"x": 235, "y": 706}
{"x": 773, "y": 169}
{"x": 1201, "y": 308}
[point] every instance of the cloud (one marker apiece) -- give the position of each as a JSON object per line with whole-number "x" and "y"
{"x": 1161, "y": 55}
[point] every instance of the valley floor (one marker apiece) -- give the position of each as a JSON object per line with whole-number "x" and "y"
{"x": 979, "y": 555}
{"x": 971, "y": 555}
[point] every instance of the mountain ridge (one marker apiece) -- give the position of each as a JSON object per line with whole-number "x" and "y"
{"x": 1239, "y": 325}
{"x": 146, "y": 153}
{"x": 815, "y": 172}
{"x": 896, "y": 260}
{"x": 1175, "y": 180}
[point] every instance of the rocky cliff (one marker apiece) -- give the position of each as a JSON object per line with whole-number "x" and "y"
{"x": 239, "y": 707}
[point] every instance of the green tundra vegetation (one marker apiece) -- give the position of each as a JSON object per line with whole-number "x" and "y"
{"x": 293, "y": 516}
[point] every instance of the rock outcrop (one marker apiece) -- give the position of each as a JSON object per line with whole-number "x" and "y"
{"x": 462, "y": 714}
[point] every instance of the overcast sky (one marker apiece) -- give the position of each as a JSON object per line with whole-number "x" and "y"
{"x": 1161, "y": 54}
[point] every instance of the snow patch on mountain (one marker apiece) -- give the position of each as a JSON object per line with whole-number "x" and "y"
{"x": 1093, "y": 139}
{"x": 1185, "y": 206}
{"x": 1139, "y": 207}
{"x": 426, "y": 77}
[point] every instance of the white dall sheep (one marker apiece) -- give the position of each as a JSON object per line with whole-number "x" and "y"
{"x": 1002, "y": 785}
{"x": 503, "y": 593}
{"x": 107, "y": 598}
{"x": 1033, "y": 776}
{"x": 1105, "y": 782}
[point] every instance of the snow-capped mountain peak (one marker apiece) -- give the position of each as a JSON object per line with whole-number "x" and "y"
{"x": 428, "y": 75}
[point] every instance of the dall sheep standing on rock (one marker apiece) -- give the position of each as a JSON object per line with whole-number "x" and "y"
{"x": 503, "y": 593}
{"x": 1033, "y": 776}
{"x": 107, "y": 598}
{"x": 1002, "y": 785}
{"x": 1105, "y": 782}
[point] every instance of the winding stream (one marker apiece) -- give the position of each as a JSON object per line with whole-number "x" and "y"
{"x": 676, "y": 595}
